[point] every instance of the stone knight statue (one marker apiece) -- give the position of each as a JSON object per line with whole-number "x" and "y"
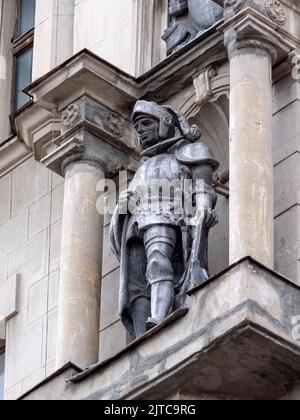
{"x": 162, "y": 256}
{"x": 188, "y": 19}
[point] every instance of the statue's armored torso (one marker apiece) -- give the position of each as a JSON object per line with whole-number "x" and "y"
{"x": 162, "y": 179}
{"x": 158, "y": 171}
{"x": 163, "y": 167}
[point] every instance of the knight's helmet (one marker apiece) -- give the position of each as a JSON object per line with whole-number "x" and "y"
{"x": 169, "y": 119}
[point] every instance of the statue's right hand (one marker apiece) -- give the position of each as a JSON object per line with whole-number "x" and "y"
{"x": 123, "y": 201}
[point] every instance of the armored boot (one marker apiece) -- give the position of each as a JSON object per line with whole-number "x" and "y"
{"x": 160, "y": 243}
{"x": 162, "y": 302}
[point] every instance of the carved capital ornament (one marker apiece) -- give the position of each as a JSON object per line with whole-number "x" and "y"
{"x": 276, "y": 11}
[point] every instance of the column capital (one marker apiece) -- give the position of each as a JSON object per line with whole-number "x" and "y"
{"x": 81, "y": 110}
{"x": 93, "y": 133}
{"x": 249, "y": 30}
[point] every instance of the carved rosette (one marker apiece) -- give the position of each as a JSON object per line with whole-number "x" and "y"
{"x": 276, "y": 11}
{"x": 71, "y": 116}
{"x": 115, "y": 124}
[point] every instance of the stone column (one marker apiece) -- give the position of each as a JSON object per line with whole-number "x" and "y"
{"x": 251, "y": 162}
{"x": 253, "y": 48}
{"x": 80, "y": 277}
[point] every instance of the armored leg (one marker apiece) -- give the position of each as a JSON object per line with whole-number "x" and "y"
{"x": 160, "y": 242}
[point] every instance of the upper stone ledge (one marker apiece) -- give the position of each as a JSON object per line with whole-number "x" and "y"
{"x": 239, "y": 326}
{"x": 285, "y": 14}
{"x": 250, "y": 29}
{"x": 52, "y": 386}
{"x": 177, "y": 71}
{"x": 102, "y": 78}
{"x": 85, "y": 69}
{"x": 87, "y": 91}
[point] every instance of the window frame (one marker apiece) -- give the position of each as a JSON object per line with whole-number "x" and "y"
{"x": 20, "y": 44}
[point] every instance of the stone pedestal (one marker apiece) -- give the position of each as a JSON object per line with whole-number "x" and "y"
{"x": 80, "y": 278}
{"x": 254, "y": 47}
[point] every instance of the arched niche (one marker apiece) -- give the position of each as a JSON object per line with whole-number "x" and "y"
{"x": 212, "y": 115}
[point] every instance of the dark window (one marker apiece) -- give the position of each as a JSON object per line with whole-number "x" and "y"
{"x": 22, "y": 77}
{"x": 26, "y": 17}
{"x": 23, "y": 52}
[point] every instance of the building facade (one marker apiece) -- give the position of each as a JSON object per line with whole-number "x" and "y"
{"x": 70, "y": 74}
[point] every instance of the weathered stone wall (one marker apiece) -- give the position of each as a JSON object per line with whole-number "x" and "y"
{"x": 53, "y": 39}
{"x": 30, "y": 229}
{"x": 107, "y": 30}
{"x": 126, "y": 33}
{"x": 113, "y": 336}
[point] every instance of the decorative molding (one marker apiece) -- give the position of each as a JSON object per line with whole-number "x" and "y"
{"x": 251, "y": 29}
{"x": 88, "y": 142}
{"x": 276, "y": 11}
{"x": 213, "y": 114}
{"x": 71, "y": 116}
{"x": 203, "y": 86}
{"x": 86, "y": 108}
{"x": 106, "y": 119}
{"x": 112, "y": 91}
{"x": 115, "y": 124}
{"x": 12, "y": 154}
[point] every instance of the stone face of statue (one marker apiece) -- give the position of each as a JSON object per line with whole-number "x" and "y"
{"x": 147, "y": 129}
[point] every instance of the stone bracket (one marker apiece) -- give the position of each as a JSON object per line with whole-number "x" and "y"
{"x": 203, "y": 87}
{"x": 82, "y": 110}
{"x": 210, "y": 85}
{"x": 86, "y": 141}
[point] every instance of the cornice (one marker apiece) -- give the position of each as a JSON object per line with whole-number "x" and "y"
{"x": 12, "y": 154}
{"x": 250, "y": 29}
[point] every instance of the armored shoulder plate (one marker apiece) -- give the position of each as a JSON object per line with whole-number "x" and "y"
{"x": 192, "y": 154}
